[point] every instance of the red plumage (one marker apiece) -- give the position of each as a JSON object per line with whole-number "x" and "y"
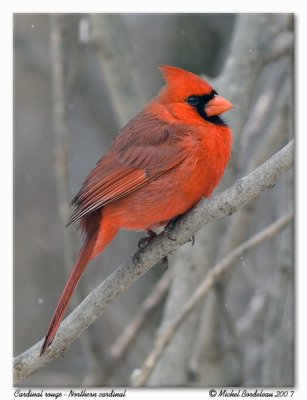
{"x": 173, "y": 153}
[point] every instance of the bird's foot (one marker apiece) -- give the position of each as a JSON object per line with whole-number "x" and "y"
{"x": 145, "y": 240}
{"x": 168, "y": 228}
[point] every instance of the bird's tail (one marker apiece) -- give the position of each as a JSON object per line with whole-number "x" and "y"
{"x": 99, "y": 235}
{"x": 85, "y": 255}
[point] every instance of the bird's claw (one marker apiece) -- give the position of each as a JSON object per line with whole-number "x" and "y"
{"x": 147, "y": 239}
{"x": 136, "y": 259}
{"x": 143, "y": 242}
{"x": 192, "y": 239}
{"x": 167, "y": 229}
{"x": 167, "y": 233}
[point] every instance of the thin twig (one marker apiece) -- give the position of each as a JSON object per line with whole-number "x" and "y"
{"x": 212, "y": 277}
{"x": 128, "y": 272}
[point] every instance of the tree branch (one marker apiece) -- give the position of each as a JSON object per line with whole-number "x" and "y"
{"x": 129, "y": 271}
{"x": 210, "y": 280}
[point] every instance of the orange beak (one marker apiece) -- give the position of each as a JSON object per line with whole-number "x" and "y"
{"x": 217, "y": 106}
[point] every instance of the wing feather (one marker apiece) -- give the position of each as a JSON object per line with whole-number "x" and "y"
{"x": 142, "y": 152}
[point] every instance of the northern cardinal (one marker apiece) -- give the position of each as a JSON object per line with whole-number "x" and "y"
{"x": 173, "y": 153}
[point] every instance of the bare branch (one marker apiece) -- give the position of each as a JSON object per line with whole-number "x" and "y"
{"x": 210, "y": 280}
{"x": 121, "y": 279}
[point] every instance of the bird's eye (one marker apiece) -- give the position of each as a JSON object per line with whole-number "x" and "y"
{"x": 193, "y": 100}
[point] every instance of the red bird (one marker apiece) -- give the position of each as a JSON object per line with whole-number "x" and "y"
{"x": 173, "y": 153}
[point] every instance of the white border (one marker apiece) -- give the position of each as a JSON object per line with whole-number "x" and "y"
{"x": 6, "y": 159}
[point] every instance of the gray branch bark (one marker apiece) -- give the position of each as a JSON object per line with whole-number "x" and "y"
{"x": 226, "y": 203}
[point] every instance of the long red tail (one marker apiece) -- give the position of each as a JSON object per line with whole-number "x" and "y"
{"x": 74, "y": 277}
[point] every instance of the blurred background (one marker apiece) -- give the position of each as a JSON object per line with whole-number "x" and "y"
{"x": 78, "y": 78}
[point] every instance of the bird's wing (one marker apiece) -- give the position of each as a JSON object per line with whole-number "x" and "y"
{"x": 146, "y": 148}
